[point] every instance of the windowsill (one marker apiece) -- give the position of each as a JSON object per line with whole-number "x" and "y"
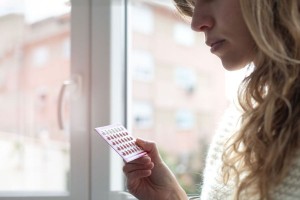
{"x": 120, "y": 195}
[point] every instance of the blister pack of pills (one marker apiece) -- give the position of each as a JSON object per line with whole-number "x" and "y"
{"x": 121, "y": 141}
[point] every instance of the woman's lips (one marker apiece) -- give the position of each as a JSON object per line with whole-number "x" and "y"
{"x": 215, "y": 46}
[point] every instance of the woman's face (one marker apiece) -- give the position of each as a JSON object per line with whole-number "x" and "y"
{"x": 225, "y": 31}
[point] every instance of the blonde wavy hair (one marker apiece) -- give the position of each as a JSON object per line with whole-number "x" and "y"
{"x": 259, "y": 155}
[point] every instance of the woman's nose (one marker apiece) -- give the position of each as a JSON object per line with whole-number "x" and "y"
{"x": 202, "y": 20}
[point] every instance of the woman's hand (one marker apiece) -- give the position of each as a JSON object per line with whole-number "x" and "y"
{"x": 148, "y": 178}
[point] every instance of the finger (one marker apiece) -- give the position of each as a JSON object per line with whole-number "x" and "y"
{"x": 135, "y": 175}
{"x": 146, "y": 145}
{"x": 142, "y": 160}
{"x": 150, "y": 148}
{"x": 128, "y": 168}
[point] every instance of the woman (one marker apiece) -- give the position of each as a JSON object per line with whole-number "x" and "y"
{"x": 261, "y": 160}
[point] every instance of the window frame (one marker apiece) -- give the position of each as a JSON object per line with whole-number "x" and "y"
{"x": 79, "y": 151}
{"x": 108, "y": 94}
{"x": 99, "y": 58}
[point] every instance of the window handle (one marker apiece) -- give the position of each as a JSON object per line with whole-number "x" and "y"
{"x": 72, "y": 86}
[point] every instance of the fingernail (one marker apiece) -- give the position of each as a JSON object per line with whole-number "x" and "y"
{"x": 140, "y": 142}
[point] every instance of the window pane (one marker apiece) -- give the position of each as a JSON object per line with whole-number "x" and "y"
{"x": 34, "y": 62}
{"x": 177, "y": 88}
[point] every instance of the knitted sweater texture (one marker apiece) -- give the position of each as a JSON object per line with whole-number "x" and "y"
{"x": 213, "y": 187}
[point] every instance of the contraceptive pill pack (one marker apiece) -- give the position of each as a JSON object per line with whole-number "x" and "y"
{"x": 121, "y": 141}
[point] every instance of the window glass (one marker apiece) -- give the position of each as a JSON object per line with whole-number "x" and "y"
{"x": 183, "y": 35}
{"x": 40, "y": 56}
{"x": 144, "y": 22}
{"x": 34, "y": 150}
{"x": 142, "y": 114}
{"x": 143, "y": 65}
{"x": 185, "y": 119}
{"x": 185, "y": 78}
{"x": 186, "y": 95}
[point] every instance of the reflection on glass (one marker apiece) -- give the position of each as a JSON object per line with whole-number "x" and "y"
{"x": 34, "y": 61}
{"x": 181, "y": 101}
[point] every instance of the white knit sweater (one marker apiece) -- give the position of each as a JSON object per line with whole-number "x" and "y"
{"x": 214, "y": 189}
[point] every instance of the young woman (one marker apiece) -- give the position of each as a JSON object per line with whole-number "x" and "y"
{"x": 260, "y": 160}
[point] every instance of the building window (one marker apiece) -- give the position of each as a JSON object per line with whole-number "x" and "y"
{"x": 143, "y": 65}
{"x": 183, "y": 35}
{"x": 143, "y": 114}
{"x": 144, "y": 23}
{"x": 40, "y": 56}
{"x": 66, "y": 48}
{"x": 185, "y": 78}
{"x": 185, "y": 119}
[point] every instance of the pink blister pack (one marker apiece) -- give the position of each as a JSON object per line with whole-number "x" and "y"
{"x": 121, "y": 141}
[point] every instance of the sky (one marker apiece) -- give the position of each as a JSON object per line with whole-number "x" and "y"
{"x": 34, "y": 10}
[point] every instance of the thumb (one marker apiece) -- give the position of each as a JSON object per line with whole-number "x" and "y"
{"x": 149, "y": 147}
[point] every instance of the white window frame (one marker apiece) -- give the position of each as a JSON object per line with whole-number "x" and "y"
{"x": 109, "y": 94}
{"x": 97, "y": 56}
{"x": 80, "y": 160}
{"x": 108, "y": 97}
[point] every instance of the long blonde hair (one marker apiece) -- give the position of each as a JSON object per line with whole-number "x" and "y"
{"x": 260, "y": 153}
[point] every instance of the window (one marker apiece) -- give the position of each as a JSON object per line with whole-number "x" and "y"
{"x": 233, "y": 79}
{"x": 145, "y": 22}
{"x": 39, "y": 158}
{"x": 143, "y": 65}
{"x": 66, "y": 48}
{"x": 35, "y": 154}
{"x": 183, "y": 34}
{"x": 185, "y": 94}
{"x": 40, "y": 56}
{"x": 142, "y": 114}
{"x": 186, "y": 79}
{"x": 185, "y": 119}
